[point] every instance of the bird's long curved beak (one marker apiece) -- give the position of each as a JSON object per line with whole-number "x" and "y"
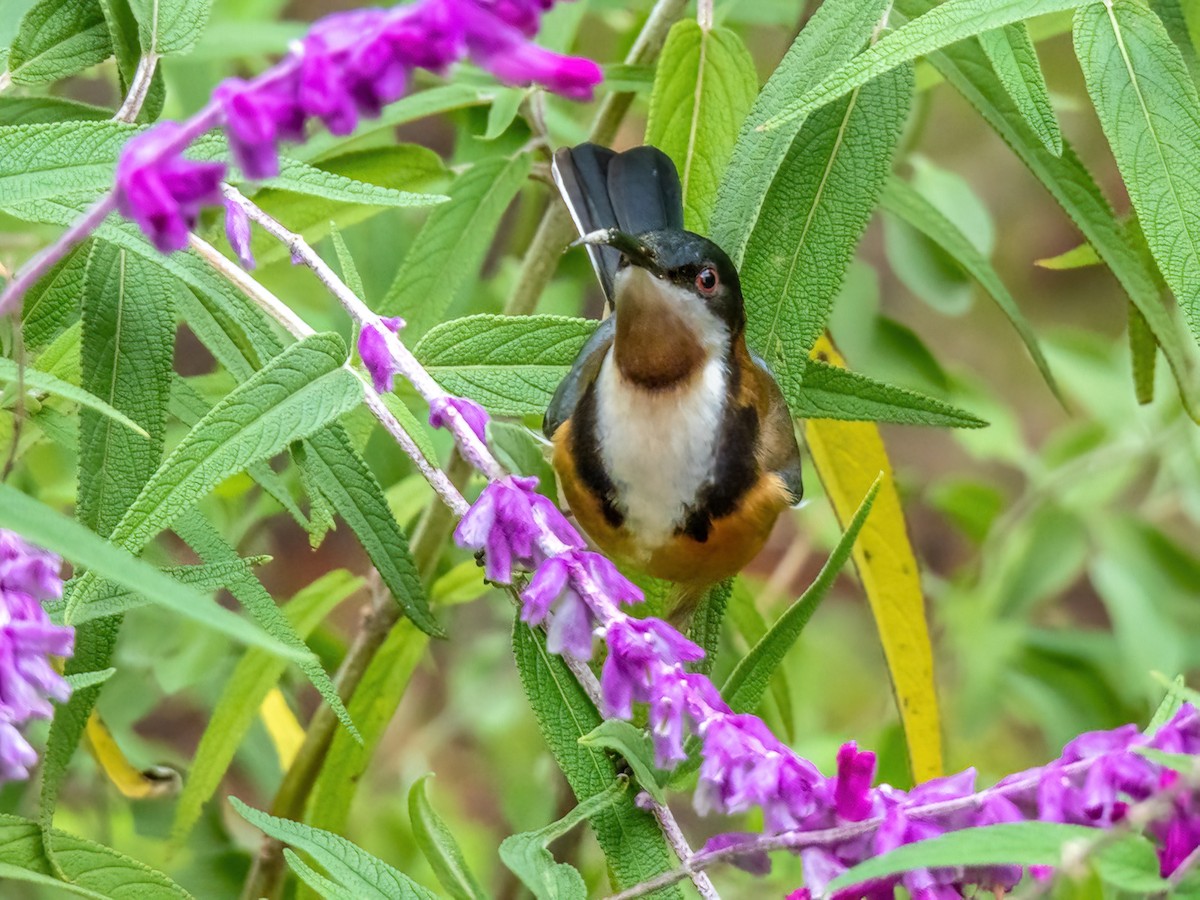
{"x": 630, "y": 247}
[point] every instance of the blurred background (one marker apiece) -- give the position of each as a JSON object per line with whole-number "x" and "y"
{"x": 1060, "y": 548}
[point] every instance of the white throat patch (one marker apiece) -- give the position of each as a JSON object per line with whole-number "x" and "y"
{"x": 658, "y": 446}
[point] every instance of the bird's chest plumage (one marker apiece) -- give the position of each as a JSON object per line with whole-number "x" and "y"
{"x": 658, "y": 447}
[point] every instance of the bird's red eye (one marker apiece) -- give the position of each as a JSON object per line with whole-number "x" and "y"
{"x": 706, "y": 280}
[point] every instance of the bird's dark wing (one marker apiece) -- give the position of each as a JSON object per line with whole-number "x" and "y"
{"x": 583, "y": 372}
{"x": 636, "y": 191}
{"x": 780, "y": 452}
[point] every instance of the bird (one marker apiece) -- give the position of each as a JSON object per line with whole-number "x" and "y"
{"x": 672, "y": 443}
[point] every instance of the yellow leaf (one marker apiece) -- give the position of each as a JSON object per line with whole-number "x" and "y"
{"x": 286, "y": 733}
{"x": 137, "y": 784}
{"x": 848, "y": 457}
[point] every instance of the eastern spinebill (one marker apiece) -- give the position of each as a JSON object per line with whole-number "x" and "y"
{"x": 672, "y": 441}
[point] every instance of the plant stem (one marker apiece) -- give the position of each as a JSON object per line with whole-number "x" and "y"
{"x": 555, "y": 230}
{"x": 139, "y": 88}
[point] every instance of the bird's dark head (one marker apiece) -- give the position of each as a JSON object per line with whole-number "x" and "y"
{"x": 678, "y": 302}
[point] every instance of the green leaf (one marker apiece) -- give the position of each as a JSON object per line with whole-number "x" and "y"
{"x": 296, "y": 394}
{"x": 744, "y": 688}
{"x": 58, "y": 38}
{"x": 831, "y": 392}
{"x": 346, "y": 262}
{"x": 1071, "y": 184}
{"x": 42, "y": 110}
{"x": 1174, "y": 16}
{"x": 629, "y": 836}
{"x": 439, "y": 847}
{"x": 348, "y": 484}
{"x": 53, "y": 301}
{"x": 707, "y": 620}
{"x": 635, "y": 746}
{"x": 37, "y": 380}
{"x": 80, "y": 680}
{"x": 1016, "y": 843}
{"x": 1143, "y": 351}
{"x": 527, "y": 857}
{"x": 836, "y": 31}
{"x": 49, "y": 528}
{"x": 1078, "y": 257}
{"x": 314, "y": 879}
{"x": 509, "y": 364}
{"x": 170, "y": 26}
{"x": 901, "y": 199}
{"x": 124, "y": 33}
{"x": 812, "y": 219}
{"x": 301, "y": 178}
{"x": 1015, "y": 61}
{"x": 945, "y": 24}
{"x": 704, "y": 87}
{"x": 366, "y": 877}
{"x": 1150, "y": 111}
{"x": 249, "y": 683}
{"x": 448, "y": 251}
{"x": 92, "y": 870}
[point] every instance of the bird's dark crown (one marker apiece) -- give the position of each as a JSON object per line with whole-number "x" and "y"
{"x": 679, "y": 256}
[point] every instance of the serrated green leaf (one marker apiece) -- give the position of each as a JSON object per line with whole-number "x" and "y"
{"x": 125, "y": 35}
{"x": 58, "y": 38}
{"x": 249, "y": 683}
{"x": 1015, "y": 843}
{"x": 301, "y": 178}
{"x": 836, "y": 31}
{"x": 53, "y": 301}
{"x": 45, "y": 110}
{"x": 629, "y": 836}
{"x": 509, "y": 364}
{"x": 744, "y": 688}
{"x": 1143, "y": 352}
{"x": 170, "y": 26}
{"x": 527, "y": 857}
{"x": 373, "y": 707}
{"x": 707, "y": 620}
{"x": 1150, "y": 110}
{"x": 813, "y": 217}
{"x": 346, "y": 262}
{"x": 1015, "y": 62}
{"x": 49, "y": 528}
{"x": 945, "y": 24}
{"x": 439, "y": 847}
{"x": 37, "y": 380}
{"x": 635, "y": 746}
{"x": 365, "y": 876}
{"x": 44, "y": 162}
{"x": 92, "y": 870}
{"x": 80, "y": 680}
{"x": 704, "y": 87}
{"x": 901, "y": 199}
{"x": 314, "y": 879}
{"x": 1072, "y": 186}
{"x": 1174, "y": 15}
{"x": 345, "y": 480}
{"x": 448, "y": 251}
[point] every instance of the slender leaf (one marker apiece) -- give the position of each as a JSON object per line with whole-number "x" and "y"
{"x": 53, "y": 301}
{"x": 510, "y": 364}
{"x": 58, "y": 38}
{"x": 437, "y": 843}
{"x": 902, "y": 200}
{"x": 170, "y": 26}
{"x": 629, "y": 836}
{"x": 945, "y": 24}
{"x": 836, "y": 31}
{"x": 832, "y": 392}
{"x": 705, "y": 630}
{"x": 704, "y": 87}
{"x": 44, "y": 110}
{"x": 301, "y": 178}
{"x": 527, "y": 857}
{"x": 1015, "y": 60}
{"x": 448, "y": 251}
{"x": 366, "y": 877}
{"x": 37, "y": 380}
{"x": 1150, "y": 110}
{"x": 744, "y": 688}
{"x": 635, "y": 746}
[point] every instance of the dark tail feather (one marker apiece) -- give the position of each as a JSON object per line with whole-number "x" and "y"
{"x": 636, "y": 191}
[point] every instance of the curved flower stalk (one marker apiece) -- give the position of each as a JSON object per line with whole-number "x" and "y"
{"x": 28, "y": 682}
{"x": 349, "y": 65}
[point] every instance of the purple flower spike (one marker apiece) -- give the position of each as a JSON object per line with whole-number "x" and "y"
{"x": 500, "y": 523}
{"x": 852, "y": 792}
{"x": 638, "y": 649}
{"x": 376, "y": 357}
{"x": 27, "y": 680}
{"x": 237, "y": 230}
{"x": 256, "y": 119}
{"x": 474, "y": 414}
{"x": 162, "y": 191}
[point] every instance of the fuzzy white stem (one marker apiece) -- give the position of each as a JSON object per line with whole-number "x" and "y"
{"x": 139, "y": 88}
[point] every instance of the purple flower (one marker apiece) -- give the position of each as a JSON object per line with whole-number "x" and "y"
{"x": 500, "y": 523}
{"x": 852, "y": 787}
{"x": 378, "y": 359}
{"x": 473, "y": 414}
{"x": 756, "y": 862}
{"x": 28, "y": 682}
{"x": 237, "y": 230}
{"x": 257, "y": 117}
{"x": 162, "y": 191}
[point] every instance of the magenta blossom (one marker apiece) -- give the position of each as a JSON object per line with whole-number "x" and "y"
{"x": 237, "y": 230}
{"x": 473, "y": 414}
{"x": 376, "y": 357}
{"x": 500, "y": 523}
{"x": 28, "y": 682}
